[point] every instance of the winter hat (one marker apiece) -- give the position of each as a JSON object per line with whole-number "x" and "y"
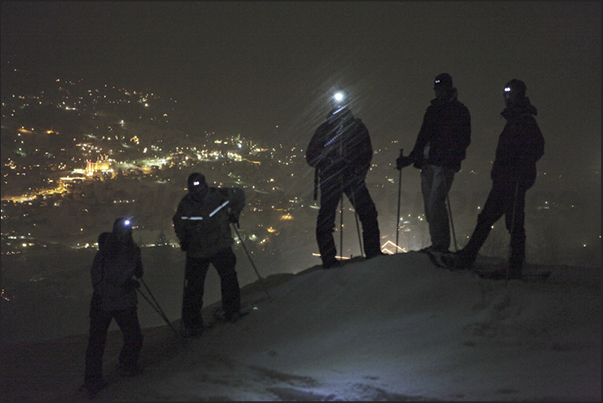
{"x": 516, "y": 86}
{"x": 195, "y": 180}
{"x": 122, "y": 225}
{"x": 443, "y": 80}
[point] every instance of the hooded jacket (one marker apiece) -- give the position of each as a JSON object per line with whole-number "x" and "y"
{"x": 340, "y": 145}
{"x": 446, "y": 130}
{"x": 520, "y": 146}
{"x": 202, "y": 225}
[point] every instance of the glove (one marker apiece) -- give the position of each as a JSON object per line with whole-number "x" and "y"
{"x": 132, "y": 284}
{"x": 403, "y": 162}
{"x": 233, "y": 218}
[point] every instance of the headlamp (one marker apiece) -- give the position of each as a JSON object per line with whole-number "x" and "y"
{"x": 338, "y": 97}
{"x": 127, "y": 223}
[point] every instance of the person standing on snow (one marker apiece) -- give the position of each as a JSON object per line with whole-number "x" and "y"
{"x": 341, "y": 151}
{"x": 520, "y": 146}
{"x": 201, "y": 223}
{"x": 115, "y": 265}
{"x": 439, "y": 149}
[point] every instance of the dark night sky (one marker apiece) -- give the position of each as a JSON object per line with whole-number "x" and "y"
{"x": 247, "y": 67}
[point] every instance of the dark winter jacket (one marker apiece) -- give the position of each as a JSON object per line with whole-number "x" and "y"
{"x": 113, "y": 268}
{"x": 446, "y": 130}
{"x": 341, "y": 145}
{"x": 201, "y": 233}
{"x": 520, "y": 146}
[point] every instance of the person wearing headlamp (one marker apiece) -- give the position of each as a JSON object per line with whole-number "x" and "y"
{"x": 439, "y": 149}
{"x": 520, "y": 146}
{"x": 201, "y": 223}
{"x": 114, "y": 269}
{"x": 341, "y": 152}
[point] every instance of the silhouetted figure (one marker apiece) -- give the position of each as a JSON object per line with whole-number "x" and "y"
{"x": 201, "y": 223}
{"x": 115, "y": 265}
{"x": 520, "y": 146}
{"x": 341, "y": 151}
{"x": 438, "y": 151}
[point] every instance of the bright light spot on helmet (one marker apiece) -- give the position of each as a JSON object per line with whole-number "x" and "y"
{"x": 507, "y": 89}
{"x": 127, "y": 223}
{"x": 437, "y": 82}
{"x": 196, "y": 183}
{"x": 338, "y": 97}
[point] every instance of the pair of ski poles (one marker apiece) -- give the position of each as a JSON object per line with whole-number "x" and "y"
{"x": 398, "y": 214}
{"x": 155, "y": 305}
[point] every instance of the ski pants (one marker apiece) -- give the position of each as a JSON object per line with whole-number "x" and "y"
{"x": 435, "y": 185}
{"x": 196, "y": 271}
{"x": 127, "y": 320}
{"x": 506, "y": 199}
{"x": 331, "y": 192}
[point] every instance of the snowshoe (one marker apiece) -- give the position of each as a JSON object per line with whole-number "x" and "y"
{"x": 221, "y": 317}
{"x": 504, "y": 274}
{"x": 91, "y": 388}
{"x": 438, "y": 257}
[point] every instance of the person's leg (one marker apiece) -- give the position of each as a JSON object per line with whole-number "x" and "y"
{"x": 492, "y": 212}
{"x": 515, "y": 221}
{"x": 330, "y": 195}
{"x": 192, "y": 302}
{"x": 99, "y": 325}
{"x": 225, "y": 263}
{"x": 426, "y": 184}
{"x": 364, "y": 206}
{"x": 439, "y": 227}
{"x": 127, "y": 320}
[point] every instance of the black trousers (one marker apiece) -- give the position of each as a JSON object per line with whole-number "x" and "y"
{"x": 331, "y": 190}
{"x": 127, "y": 320}
{"x": 196, "y": 271}
{"x": 506, "y": 199}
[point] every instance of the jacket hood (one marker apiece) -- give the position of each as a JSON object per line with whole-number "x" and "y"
{"x": 524, "y": 107}
{"x": 451, "y": 96}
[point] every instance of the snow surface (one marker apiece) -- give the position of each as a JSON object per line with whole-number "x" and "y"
{"x": 392, "y": 328}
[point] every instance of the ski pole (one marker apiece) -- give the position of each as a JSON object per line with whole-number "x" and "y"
{"x": 450, "y": 213}
{"x": 341, "y": 223}
{"x": 357, "y": 224}
{"x": 155, "y": 306}
{"x": 399, "y": 193}
{"x": 251, "y": 260}
{"x": 316, "y": 180}
{"x": 451, "y": 223}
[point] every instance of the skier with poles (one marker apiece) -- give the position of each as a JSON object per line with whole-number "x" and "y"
{"x": 438, "y": 152}
{"x": 341, "y": 152}
{"x": 115, "y": 265}
{"x": 201, "y": 223}
{"x": 520, "y": 146}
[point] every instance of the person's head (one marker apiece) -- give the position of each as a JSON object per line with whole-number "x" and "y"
{"x": 442, "y": 84}
{"x": 122, "y": 228}
{"x": 514, "y": 92}
{"x": 197, "y": 185}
